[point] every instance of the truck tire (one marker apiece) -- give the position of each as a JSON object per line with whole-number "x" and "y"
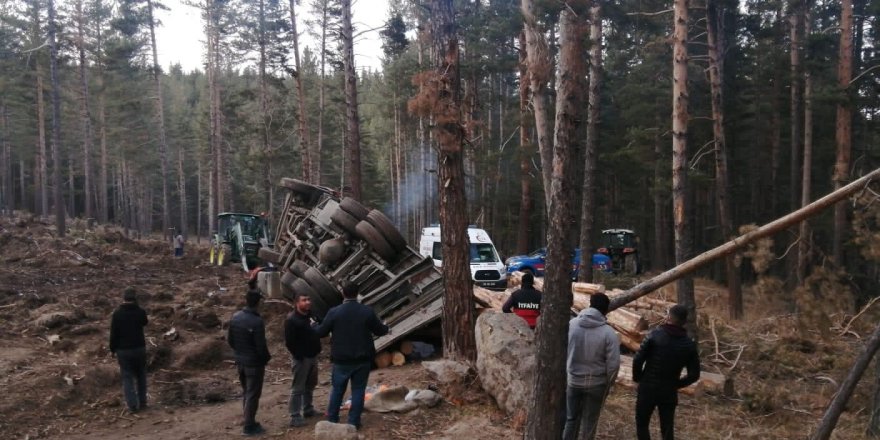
{"x": 299, "y": 268}
{"x": 354, "y": 208}
{"x": 269, "y": 255}
{"x": 329, "y": 294}
{"x": 388, "y": 230}
{"x": 368, "y": 233}
{"x": 319, "y": 308}
{"x": 287, "y": 280}
{"x": 345, "y": 221}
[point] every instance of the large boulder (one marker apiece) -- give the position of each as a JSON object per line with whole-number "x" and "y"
{"x": 325, "y": 430}
{"x": 447, "y": 371}
{"x": 506, "y": 359}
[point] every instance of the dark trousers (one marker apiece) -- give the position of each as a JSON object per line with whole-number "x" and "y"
{"x": 305, "y": 379}
{"x": 133, "y": 366}
{"x": 251, "y": 379}
{"x": 358, "y": 374}
{"x": 583, "y": 406}
{"x": 646, "y": 401}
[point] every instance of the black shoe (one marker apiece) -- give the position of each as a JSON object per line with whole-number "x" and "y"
{"x": 310, "y": 413}
{"x": 297, "y": 422}
{"x": 255, "y": 429}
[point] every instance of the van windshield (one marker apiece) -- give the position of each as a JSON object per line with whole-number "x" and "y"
{"x": 479, "y": 253}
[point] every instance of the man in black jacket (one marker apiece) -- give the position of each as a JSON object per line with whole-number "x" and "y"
{"x": 657, "y": 369}
{"x": 304, "y": 346}
{"x": 352, "y": 325}
{"x": 127, "y": 344}
{"x": 247, "y": 337}
{"x": 525, "y": 302}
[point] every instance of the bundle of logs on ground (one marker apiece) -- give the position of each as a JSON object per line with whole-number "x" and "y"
{"x": 395, "y": 357}
{"x": 632, "y": 324}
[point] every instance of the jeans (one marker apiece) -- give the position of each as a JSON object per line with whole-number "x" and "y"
{"x": 178, "y": 252}
{"x": 646, "y": 401}
{"x": 251, "y": 379}
{"x": 358, "y": 374}
{"x": 305, "y": 379}
{"x": 133, "y": 366}
{"x": 583, "y": 406}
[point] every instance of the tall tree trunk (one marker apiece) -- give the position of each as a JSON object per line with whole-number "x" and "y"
{"x": 86, "y": 113}
{"x": 353, "y": 124}
{"x": 265, "y": 121}
{"x": 103, "y": 191}
{"x": 588, "y": 205}
{"x": 7, "y": 197}
{"x": 160, "y": 123}
{"x": 804, "y": 229}
{"x": 873, "y": 430}
{"x": 680, "y": 202}
{"x": 60, "y": 224}
{"x": 307, "y": 167}
{"x": 661, "y": 245}
{"x": 717, "y": 49}
{"x": 843, "y": 132}
{"x": 525, "y": 154}
{"x": 796, "y": 18}
{"x": 540, "y": 73}
{"x": 181, "y": 190}
{"x": 41, "y": 143}
{"x": 552, "y": 330}
{"x": 458, "y": 301}
{"x": 316, "y": 162}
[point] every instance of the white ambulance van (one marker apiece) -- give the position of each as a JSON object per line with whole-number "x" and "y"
{"x": 487, "y": 269}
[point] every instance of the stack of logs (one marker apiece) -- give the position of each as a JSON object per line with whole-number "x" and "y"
{"x": 394, "y": 357}
{"x": 630, "y": 322}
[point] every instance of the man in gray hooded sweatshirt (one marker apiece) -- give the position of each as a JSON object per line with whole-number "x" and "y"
{"x": 593, "y": 363}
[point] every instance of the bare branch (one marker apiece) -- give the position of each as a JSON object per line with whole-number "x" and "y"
{"x": 650, "y": 14}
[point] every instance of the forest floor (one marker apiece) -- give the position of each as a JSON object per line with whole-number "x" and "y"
{"x": 59, "y": 380}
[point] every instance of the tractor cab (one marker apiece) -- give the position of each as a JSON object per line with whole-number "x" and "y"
{"x": 239, "y": 238}
{"x": 622, "y": 247}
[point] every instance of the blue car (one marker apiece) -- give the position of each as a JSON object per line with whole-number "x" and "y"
{"x": 534, "y": 263}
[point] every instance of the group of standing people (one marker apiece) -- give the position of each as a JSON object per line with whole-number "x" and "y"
{"x": 351, "y": 326}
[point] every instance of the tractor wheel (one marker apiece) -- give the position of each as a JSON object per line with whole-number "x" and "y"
{"x": 354, "y": 208}
{"x": 631, "y": 265}
{"x": 345, "y": 221}
{"x": 212, "y": 256}
{"x": 384, "y": 225}
{"x": 299, "y": 268}
{"x": 329, "y": 294}
{"x": 368, "y": 233}
{"x": 269, "y": 255}
{"x": 224, "y": 255}
{"x": 300, "y": 286}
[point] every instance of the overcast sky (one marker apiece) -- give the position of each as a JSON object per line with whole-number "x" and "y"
{"x": 181, "y": 36}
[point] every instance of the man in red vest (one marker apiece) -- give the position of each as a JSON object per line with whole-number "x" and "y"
{"x": 525, "y": 302}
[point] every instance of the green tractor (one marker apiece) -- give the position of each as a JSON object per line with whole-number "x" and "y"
{"x": 622, "y": 247}
{"x": 239, "y": 239}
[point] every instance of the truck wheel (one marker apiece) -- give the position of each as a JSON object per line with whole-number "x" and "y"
{"x": 300, "y": 286}
{"x": 322, "y": 286}
{"x": 299, "y": 268}
{"x": 269, "y": 255}
{"x": 288, "y": 279}
{"x": 354, "y": 208}
{"x": 368, "y": 233}
{"x": 345, "y": 221}
{"x": 384, "y": 225}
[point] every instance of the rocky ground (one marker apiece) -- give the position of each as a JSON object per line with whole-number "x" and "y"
{"x": 59, "y": 380}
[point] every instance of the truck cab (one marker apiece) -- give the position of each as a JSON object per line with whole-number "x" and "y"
{"x": 487, "y": 269}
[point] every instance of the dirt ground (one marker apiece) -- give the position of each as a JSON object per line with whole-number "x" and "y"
{"x": 59, "y": 380}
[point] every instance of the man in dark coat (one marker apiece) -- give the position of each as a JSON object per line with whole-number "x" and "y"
{"x": 352, "y": 326}
{"x": 304, "y": 346}
{"x": 657, "y": 369}
{"x": 525, "y": 302}
{"x": 247, "y": 337}
{"x": 127, "y": 344}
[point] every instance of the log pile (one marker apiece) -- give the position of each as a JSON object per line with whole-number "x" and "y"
{"x": 398, "y": 357}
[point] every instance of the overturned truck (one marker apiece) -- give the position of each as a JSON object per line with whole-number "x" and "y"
{"x": 323, "y": 240}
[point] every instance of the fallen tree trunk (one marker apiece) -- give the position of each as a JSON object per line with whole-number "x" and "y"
{"x": 731, "y": 246}
{"x": 829, "y": 420}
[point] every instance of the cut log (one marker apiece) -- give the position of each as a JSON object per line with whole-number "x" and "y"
{"x": 627, "y": 320}
{"x": 587, "y": 288}
{"x": 383, "y": 359}
{"x": 406, "y": 347}
{"x": 708, "y": 382}
{"x": 397, "y": 359}
{"x": 490, "y": 298}
{"x": 631, "y": 342}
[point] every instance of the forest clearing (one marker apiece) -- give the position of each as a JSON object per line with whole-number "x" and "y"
{"x": 61, "y": 382}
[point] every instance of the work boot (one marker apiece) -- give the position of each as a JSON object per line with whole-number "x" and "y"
{"x": 310, "y": 412}
{"x": 296, "y": 421}
{"x": 255, "y": 429}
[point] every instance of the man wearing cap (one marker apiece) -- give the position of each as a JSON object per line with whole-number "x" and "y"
{"x": 593, "y": 363}
{"x": 657, "y": 369}
{"x": 247, "y": 337}
{"x": 127, "y": 344}
{"x": 352, "y": 326}
{"x": 525, "y": 302}
{"x": 304, "y": 346}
